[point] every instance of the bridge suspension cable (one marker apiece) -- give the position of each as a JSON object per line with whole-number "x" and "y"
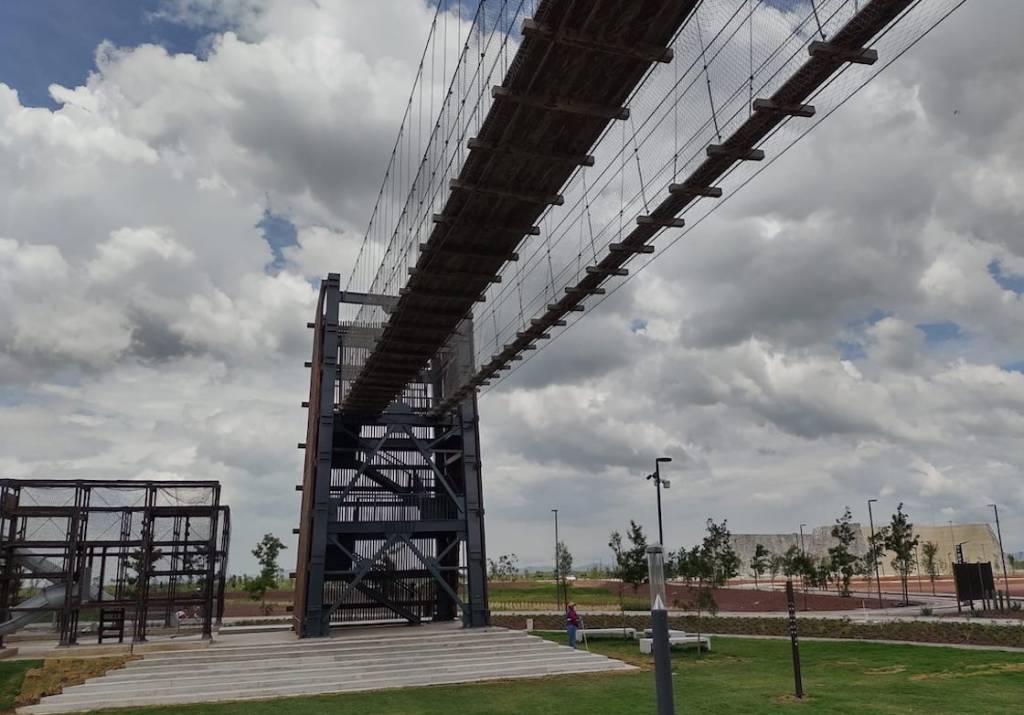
{"x": 732, "y": 84}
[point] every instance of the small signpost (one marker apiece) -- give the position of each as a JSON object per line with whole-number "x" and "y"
{"x": 791, "y": 602}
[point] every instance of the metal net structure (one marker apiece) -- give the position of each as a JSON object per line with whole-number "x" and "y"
{"x": 115, "y": 559}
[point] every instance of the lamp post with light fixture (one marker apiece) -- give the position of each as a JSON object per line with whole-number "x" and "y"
{"x": 874, "y": 554}
{"x": 658, "y": 482}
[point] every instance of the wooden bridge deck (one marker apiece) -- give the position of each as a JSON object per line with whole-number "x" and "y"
{"x": 576, "y": 67}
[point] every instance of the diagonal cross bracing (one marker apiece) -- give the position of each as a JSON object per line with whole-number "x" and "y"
{"x": 571, "y": 76}
{"x": 847, "y": 45}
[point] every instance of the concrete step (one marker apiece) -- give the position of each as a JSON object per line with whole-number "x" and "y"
{"x": 257, "y": 657}
{"x": 339, "y": 645}
{"x": 135, "y": 670}
{"x": 391, "y": 635}
{"x": 369, "y": 662}
{"x": 353, "y": 673}
{"x": 300, "y": 665}
{"x": 69, "y": 703}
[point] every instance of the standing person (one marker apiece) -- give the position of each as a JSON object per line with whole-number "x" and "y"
{"x": 572, "y": 622}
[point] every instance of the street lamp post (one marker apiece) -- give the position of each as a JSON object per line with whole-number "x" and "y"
{"x": 874, "y": 555}
{"x": 802, "y": 549}
{"x": 1002, "y": 554}
{"x": 558, "y": 593}
{"x": 660, "y": 645}
{"x": 658, "y": 481}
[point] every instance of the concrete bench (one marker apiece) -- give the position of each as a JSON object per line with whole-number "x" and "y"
{"x": 648, "y": 633}
{"x": 647, "y": 644}
{"x": 627, "y": 633}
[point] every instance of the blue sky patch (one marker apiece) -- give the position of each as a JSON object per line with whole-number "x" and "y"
{"x": 1006, "y": 281}
{"x": 849, "y": 350}
{"x": 1014, "y": 366}
{"x": 873, "y": 317}
{"x": 48, "y": 42}
{"x": 940, "y": 332}
{"x": 637, "y": 324}
{"x": 279, "y": 233}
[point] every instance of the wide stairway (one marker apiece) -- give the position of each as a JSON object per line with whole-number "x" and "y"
{"x": 367, "y": 660}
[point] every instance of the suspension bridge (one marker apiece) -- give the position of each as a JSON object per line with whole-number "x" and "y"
{"x": 548, "y": 152}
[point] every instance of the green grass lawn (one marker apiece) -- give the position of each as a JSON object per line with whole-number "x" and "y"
{"x": 741, "y": 676}
{"x": 542, "y": 594}
{"x": 12, "y": 672}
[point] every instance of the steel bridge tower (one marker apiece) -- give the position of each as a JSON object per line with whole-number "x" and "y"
{"x": 392, "y": 516}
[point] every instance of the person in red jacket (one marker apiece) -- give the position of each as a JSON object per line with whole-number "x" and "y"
{"x": 572, "y": 622}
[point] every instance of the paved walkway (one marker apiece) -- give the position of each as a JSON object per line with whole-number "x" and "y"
{"x": 958, "y": 646}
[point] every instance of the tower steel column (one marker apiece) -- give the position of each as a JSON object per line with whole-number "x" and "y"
{"x": 391, "y": 523}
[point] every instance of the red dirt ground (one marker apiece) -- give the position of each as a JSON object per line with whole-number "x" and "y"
{"x": 732, "y": 599}
{"x": 749, "y": 600}
{"x": 238, "y": 604}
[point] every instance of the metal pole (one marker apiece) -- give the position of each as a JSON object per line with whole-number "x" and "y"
{"x": 793, "y": 640}
{"x": 917, "y": 565}
{"x": 558, "y": 595}
{"x": 657, "y": 484}
{"x": 874, "y": 556}
{"x": 1002, "y": 554}
{"x": 659, "y": 632}
{"x": 802, "y": 549}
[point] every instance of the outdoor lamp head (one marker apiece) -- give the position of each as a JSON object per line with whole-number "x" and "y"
{"x": 663, "y": 459}
{"x": 656, "y": 575}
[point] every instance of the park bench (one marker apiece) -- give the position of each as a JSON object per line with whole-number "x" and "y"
{"x": 627, "y": 633}
{"x": 676, "y": 639}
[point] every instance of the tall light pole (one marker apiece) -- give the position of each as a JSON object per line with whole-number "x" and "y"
{"x": 802, "y": 549}
{"x": 1002, "y": 554}
{"x": 658, "y": 481}
{"x": 558, "y": 593}
{"x": 660, "y": 645}
{"x": 874, "y": 555}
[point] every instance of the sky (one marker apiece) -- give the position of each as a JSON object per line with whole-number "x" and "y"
{"x": 177, "y": 175}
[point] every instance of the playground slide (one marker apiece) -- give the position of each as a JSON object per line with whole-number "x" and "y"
{"x": 52, "y": 596}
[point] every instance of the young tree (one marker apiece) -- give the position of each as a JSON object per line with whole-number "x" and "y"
{"x": 724, "y": 559}
{"x": 760, "y": 562}
{"x": 842, "y": 561}
{"x": 795, "y": 563}
{"x": 631, "y": 562}
{"x": 709, "y": 566}
{"x": 792, "y": 564}
{"x": 775, "y": 564}
{"x": 266, "y": 553}
{"x": 504, "y": 569}
{"x": 931, "y": 561}
{"x": 901, "y": 541}
{"x": 822, "y": 574}
{"x": 873, "y": 554}
{"x": 564, "y": 558}
{"x": 137, "y": 563}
